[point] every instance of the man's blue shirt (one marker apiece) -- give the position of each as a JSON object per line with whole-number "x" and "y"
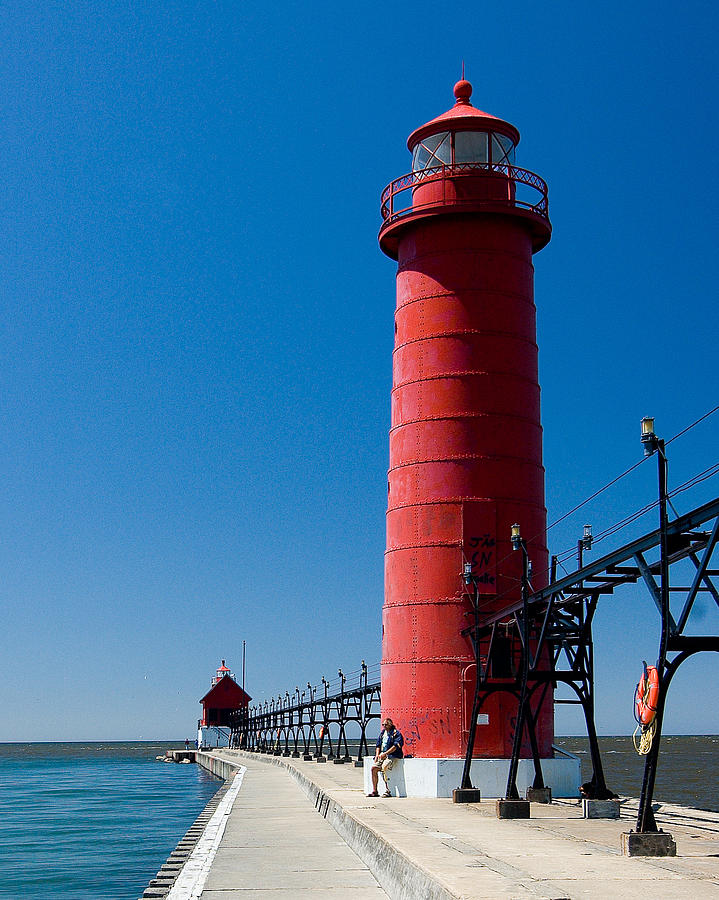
{"x": 391, "y": 739}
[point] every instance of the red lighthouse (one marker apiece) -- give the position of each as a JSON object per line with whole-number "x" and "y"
{"x": 224, "y": 697}
{"x": 465, "y": 438}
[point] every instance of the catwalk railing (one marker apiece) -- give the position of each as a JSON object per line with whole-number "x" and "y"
{"x": 323, "y": 722}
{"x": 551, "y": 635}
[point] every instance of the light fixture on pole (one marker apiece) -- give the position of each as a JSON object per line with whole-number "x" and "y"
{"x": 649, "y": 439}
{"x": 467, "y": 574}
{"x": 516, "y": 538}
{"x": 584, "y": 543}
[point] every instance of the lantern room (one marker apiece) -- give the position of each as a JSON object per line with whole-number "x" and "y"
{"x": 463, "y": 135}
{"x": 463, "y": 161}
{"x": 222, "y": 672}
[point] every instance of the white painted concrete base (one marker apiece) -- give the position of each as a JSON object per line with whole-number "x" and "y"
{"x": 439, "y": 777}
{"x": 212, "y": 736}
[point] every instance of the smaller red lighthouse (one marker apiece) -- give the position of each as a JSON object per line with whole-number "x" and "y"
{"x": 224, "y": 697}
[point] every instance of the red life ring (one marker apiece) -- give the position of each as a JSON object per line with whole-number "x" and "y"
{"x": 322, "y": 732}
{"x": 647, "y": 696}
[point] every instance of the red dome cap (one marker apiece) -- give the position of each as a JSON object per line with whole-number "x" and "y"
{"x": 463, "y": 117}
{"x": 463, "y": 91}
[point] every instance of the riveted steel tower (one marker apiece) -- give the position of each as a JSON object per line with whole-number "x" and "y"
{"x": 465, "y": 438}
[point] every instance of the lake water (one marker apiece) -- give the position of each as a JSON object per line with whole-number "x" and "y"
{"x": 687, "y": 774}
{"x": 90, "y": 820}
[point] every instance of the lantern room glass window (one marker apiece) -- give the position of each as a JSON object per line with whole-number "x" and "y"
{"x": 434, "y": 151}
{"x": 461, "y": 147}
{"x": 502, "y": 150}
{"x": 471, "y": 146}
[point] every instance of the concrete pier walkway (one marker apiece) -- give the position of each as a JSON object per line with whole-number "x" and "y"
{"x": 279, "y": 842}
{"x": 269, "y": 842}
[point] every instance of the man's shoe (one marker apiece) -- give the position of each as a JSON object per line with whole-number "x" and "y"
{"x": 386, "y": 794}
{"x": 373, "y": 794}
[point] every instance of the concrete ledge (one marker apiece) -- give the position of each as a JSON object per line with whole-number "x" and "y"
{"x": 223, "y": 768}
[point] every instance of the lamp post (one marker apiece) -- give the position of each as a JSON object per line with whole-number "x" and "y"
{"x": 265, "y": 724}
{"x": 584, "y": 543}
{"x": 518, "y": 543}
{"x": 243, "y": 664}
{"x": 511, "y": 806}
{"x": 287, "y": 721}
{"x": 311, "y": 712}
{"x": 324, "y": 728}
{"x": 296, "y": 721}
{"x": 339, "y": 760}
{"x": 363, "y": 706}
{"x": 269, "y": 722}
{"x": 342, "y": 738}
{"x": 653, "y": 444}
{"x": 279, "y": 720}
{"x": 466, "y": 793}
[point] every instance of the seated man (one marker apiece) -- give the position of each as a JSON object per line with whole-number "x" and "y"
{"x": 389, "y": 748}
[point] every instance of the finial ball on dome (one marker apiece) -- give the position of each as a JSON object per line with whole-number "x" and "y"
{"x": 463, "y": 91}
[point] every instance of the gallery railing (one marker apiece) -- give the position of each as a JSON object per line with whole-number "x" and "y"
{"x": 524, "y": 189}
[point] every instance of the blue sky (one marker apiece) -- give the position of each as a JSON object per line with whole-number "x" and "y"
{"x": 197, "y": 326}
